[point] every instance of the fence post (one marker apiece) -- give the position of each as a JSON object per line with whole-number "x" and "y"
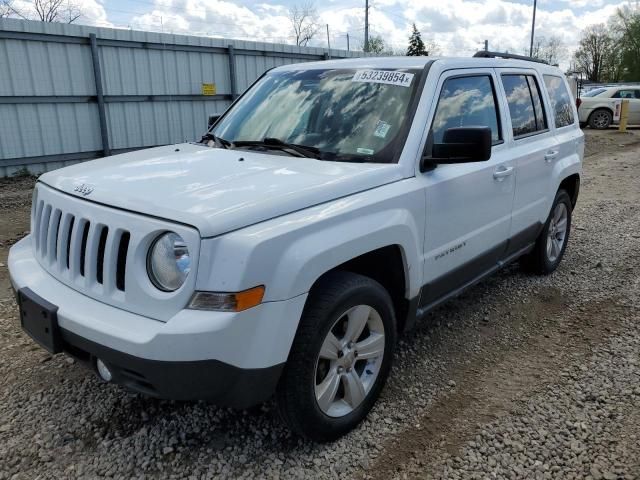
{"x": 232, "y": 72}
{"x": 104, "y": 133}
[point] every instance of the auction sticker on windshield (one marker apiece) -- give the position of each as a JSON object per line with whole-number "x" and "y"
{"x": 389, "y": 77}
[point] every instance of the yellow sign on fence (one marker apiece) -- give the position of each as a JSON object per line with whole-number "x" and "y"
{"x": 208, "y": 89}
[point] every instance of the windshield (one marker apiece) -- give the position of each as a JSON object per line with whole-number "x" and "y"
{"x": 346, "y": 114}
{"x": 595, "y": 92}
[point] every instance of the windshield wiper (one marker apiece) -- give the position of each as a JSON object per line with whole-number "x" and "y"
{"x": 217, "y": 140}
{"x": 276, "y": 143}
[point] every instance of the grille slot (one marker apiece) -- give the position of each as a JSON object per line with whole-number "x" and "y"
{"x": 123, "y": 248}
{"x": 54, "y": 235}
{"x": 102, "y": 243}
{"x": 83, "y": 246}
{"x": 68, "y": 240}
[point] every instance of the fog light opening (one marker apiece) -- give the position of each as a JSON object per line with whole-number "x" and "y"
{"x": 103, "y": 371}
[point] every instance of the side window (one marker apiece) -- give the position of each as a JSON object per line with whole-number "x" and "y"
{"x": 625, "y": 94}
{"x": 467, "y": 102}
{"x": 541, "y": 120}
{"x": 525, "y": 104}
{"x": 561, "y": 101}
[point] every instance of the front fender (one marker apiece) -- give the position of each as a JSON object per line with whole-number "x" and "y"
{"x": 289, "y": 253}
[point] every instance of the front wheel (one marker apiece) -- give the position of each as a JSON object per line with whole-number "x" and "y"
{"x": 340, "y": 358}
{"x": 552, "y": 241}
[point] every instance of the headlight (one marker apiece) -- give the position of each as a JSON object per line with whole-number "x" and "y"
{"x": 168, "y": 262}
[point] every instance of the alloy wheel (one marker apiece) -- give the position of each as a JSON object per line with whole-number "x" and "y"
{"x": 557, "y": 232}
{"x": 349, "y": 360}
{"x": 601, "y": 119}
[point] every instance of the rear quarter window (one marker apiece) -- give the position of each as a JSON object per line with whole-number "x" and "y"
{"x": 561, "y": 101}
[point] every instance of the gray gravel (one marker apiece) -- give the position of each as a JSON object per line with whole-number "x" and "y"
{"x": 522, "y": 377}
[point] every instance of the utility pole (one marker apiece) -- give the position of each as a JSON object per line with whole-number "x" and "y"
{"x": 328, "y": 42}
{"x": 533, "y": 27}
{"x": 366, "y": 26}
{"x": 486, "y": 45}
{"x": 348, "y": 49}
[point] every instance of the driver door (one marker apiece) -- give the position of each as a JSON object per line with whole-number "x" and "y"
{"x": 468, "y": 204}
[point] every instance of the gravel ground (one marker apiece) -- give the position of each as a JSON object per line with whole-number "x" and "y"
{"x": 521, "y": 377}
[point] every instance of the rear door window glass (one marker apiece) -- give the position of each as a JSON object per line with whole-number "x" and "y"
{"x": 525, "y": 104}
{"x": 561, "y": 101}
{"x": 624, "y": 94}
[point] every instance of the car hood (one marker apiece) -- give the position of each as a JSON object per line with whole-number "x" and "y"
{"x": 215, "y": 190}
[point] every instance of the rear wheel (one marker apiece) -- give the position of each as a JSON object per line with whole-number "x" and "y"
{"x": 552, "y": 241}
{"x": 340, "y": 358}
{"x": 601, "y": 119}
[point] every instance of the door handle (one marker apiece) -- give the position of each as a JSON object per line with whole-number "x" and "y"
{"x": 551, "y": 155}
{"x": 502, "y": 173}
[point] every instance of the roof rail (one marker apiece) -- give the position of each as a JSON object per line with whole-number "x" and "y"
{"x": 487, "y": 54}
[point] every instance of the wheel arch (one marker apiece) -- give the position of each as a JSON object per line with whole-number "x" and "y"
{"x": 571, "y": 185}
{"x": 388, "y": 266}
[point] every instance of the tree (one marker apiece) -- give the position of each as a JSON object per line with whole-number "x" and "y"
{"x": 552, "y": 50}
{"x": 416, "y": 45}
{"x": 304, "y": 20}
{"x": 598, "y": 55}
{"x": 627, "y": 24}
{"x": 377, "y": 45}
{"x": 63, "y": 11}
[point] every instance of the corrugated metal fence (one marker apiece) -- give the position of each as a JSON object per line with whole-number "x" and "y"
{"x": 73, "y": 92}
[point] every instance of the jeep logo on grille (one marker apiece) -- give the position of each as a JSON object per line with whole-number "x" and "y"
{"x": 83, "y": 189}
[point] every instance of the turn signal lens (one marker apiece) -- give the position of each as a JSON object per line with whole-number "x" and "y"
{"x": 227, "y": 302}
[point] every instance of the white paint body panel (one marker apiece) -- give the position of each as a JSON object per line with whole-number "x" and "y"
{"x": 282, "y": 222}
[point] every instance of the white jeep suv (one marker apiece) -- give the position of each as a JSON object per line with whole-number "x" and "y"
{"x": 329, "y": 208}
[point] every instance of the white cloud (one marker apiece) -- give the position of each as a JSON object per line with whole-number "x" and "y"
{"x": 458, "y": 26}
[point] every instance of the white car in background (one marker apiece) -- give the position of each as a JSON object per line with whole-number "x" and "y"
{"x": 596, "y": 108}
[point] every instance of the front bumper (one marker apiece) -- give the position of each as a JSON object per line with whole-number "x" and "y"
{"x": 231, "y": 358}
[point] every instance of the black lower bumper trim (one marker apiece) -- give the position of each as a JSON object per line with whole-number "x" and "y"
{"x": 211, "y": 380}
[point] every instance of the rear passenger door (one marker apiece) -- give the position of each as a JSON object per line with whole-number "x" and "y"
{"x": 535, "y": 149}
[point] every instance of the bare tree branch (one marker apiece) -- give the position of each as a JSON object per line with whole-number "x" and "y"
{"x": 6, "y": 8}
{"x": 64, "y": 11}
{"x": 304, "y": 20}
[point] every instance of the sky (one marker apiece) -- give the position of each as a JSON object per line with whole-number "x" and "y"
{"x": 459, "y": 27}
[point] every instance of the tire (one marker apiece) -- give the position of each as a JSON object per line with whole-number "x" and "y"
{"x": 552, "y": 241}
{"x": 329, "y": 320}
{"x": 600, "y": 119}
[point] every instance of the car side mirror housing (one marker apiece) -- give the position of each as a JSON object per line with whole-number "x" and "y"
{"x": 213, "y": 119}
{"x": 462, "y": 145}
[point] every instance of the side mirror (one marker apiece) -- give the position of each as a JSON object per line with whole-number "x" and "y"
{"x": 213, "y": 119}
{"x": 463, "y": 145}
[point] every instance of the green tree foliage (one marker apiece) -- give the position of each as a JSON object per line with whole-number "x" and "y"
{"x": 627, "y": 25}
{"x": 416, "y": 45}
{"x": 377, "y": 45}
